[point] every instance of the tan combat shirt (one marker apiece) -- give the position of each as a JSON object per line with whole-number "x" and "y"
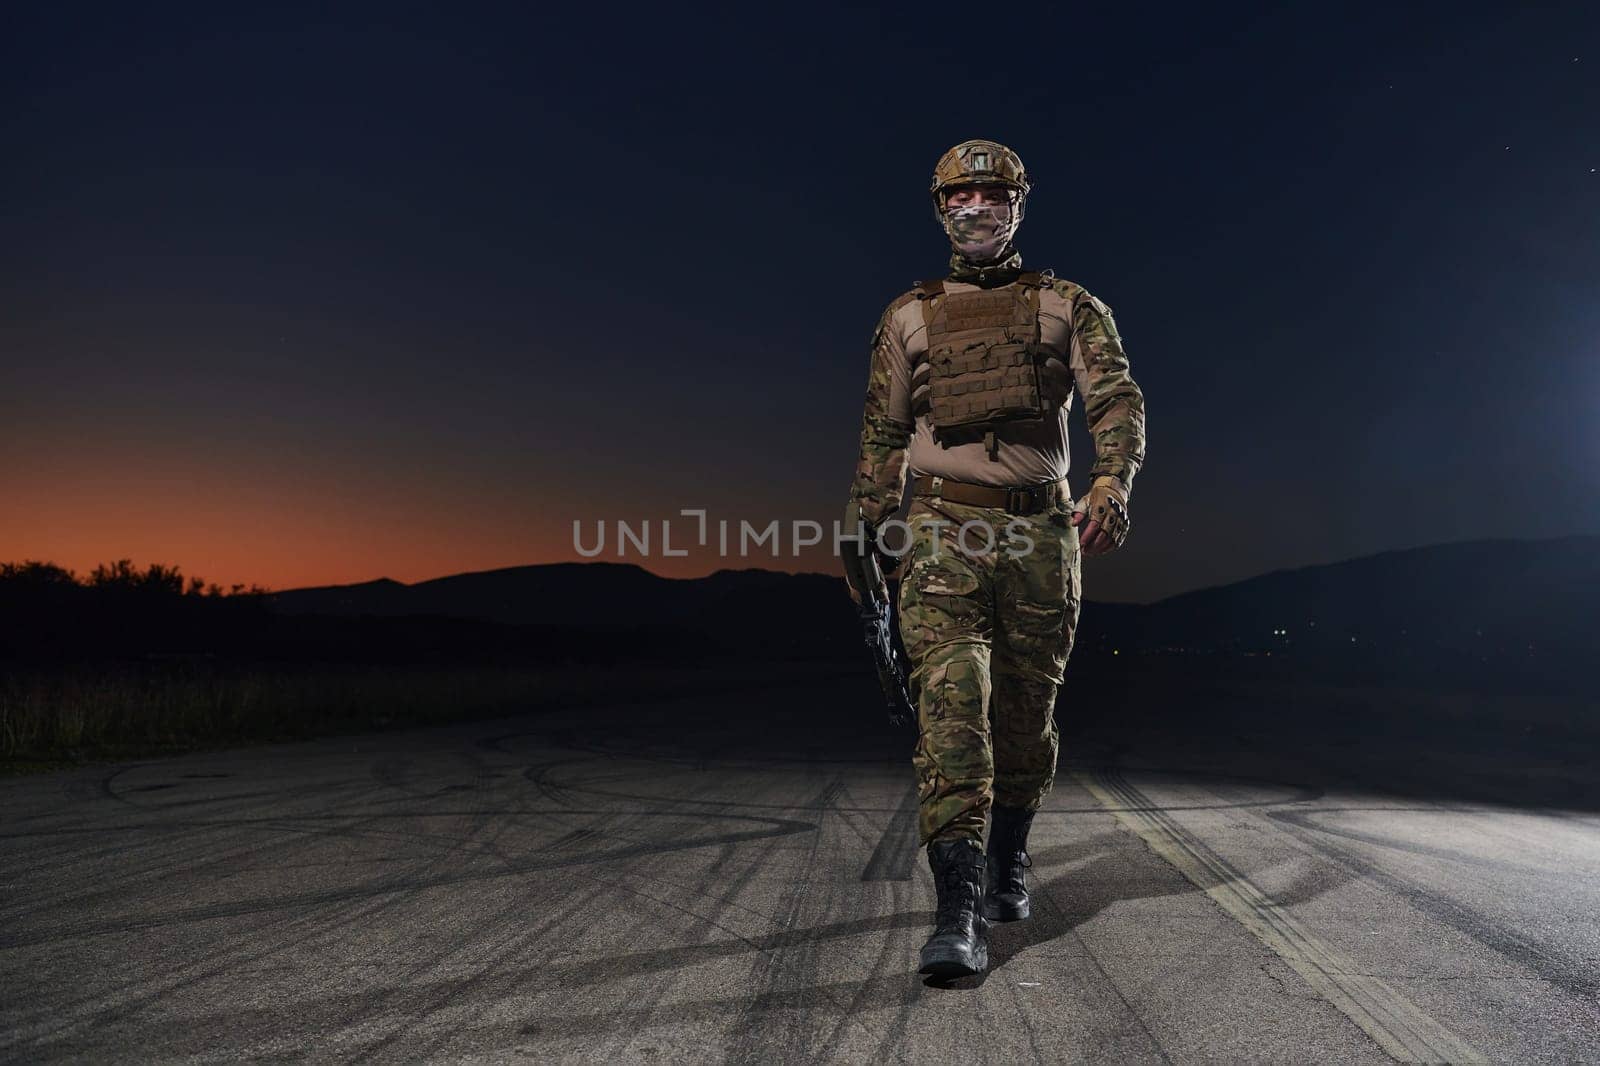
{"x": 1075, "y": 328}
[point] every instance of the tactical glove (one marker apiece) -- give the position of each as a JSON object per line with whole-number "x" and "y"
{"x": 1103, "y": 514}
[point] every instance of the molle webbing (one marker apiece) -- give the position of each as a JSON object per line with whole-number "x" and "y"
{"x": 980, "y": 365}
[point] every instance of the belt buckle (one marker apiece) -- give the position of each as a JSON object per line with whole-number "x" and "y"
{"x": 1019, "y": 500}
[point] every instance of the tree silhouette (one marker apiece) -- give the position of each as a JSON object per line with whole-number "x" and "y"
{"x": 33, "y": 574}
{"x": 119, "y": 608}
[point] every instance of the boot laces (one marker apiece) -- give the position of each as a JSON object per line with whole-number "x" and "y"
{"x": 958, "y": 895}
{"x": 1010, "y": 876}
{"x": 1010, "y": 855}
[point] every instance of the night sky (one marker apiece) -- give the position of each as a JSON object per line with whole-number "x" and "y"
{"x": 300, "y": 298}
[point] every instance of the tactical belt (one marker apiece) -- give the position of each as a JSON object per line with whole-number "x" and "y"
{"x": 1017, "y": 499}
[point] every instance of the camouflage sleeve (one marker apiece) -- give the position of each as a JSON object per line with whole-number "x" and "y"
{"x": 886, "y": 424}
{"x": 1113, "y": 404}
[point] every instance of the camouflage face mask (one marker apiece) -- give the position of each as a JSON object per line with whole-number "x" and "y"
{"x": 981, "y": 231}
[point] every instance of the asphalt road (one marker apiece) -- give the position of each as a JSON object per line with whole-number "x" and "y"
{"x": 676, "y": 887}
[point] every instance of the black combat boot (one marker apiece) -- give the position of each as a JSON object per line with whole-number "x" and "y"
{"x": 959, "y": 946}
{"x": 1006, "y": 899}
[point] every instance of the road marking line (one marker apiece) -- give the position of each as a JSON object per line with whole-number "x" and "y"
{"x": 1399, "y": 1026}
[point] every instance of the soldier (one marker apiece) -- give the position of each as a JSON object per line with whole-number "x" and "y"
{"x": 970, "y": 385}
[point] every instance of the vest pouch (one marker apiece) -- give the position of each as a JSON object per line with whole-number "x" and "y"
{"x": 983, "y": 381}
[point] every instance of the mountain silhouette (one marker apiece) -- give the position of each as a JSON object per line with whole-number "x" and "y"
{"x": 1528, "y": 600}
{"x": 1485, "y": 594}
{"x": 582, "y": 594}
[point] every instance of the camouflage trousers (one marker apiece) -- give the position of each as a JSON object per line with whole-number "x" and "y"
{"x": 987, "y": 635}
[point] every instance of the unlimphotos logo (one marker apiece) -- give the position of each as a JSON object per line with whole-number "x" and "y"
{"x": 893, "y": 538}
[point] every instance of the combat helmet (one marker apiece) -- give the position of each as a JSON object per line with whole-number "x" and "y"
{"x": 979, "y": 162}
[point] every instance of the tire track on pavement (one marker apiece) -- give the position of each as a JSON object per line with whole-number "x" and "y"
{"x": 1399, "y": 1026}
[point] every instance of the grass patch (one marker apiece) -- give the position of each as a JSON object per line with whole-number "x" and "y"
{"x": 55, "y": 719}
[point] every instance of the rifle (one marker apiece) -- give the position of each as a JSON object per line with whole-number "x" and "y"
{"x": 863, "y": 574}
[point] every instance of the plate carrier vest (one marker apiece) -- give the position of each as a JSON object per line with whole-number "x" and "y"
{"x": 983, "y": 363}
